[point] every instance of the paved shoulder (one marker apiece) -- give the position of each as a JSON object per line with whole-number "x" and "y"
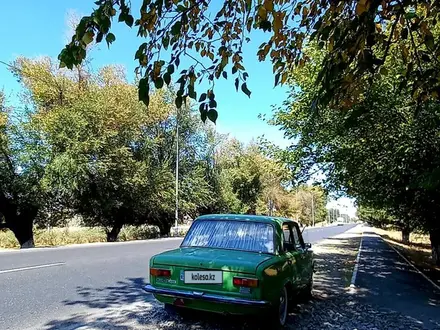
{"x": 388, "y": 282}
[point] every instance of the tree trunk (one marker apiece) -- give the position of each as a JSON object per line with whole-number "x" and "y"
{"x": 405, "y": 235}
{"x": 434, "y": 236}
{"x": 164, "y": 227}
{"x": 23, "y": 232}
{"x": 112, "y": 235}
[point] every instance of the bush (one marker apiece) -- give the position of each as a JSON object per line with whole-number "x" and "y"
{"x": 179, "y": 231}
{"x": 8, "y": 240}
{"x": 78, "y": 235}
{"x": 68, "y": 235}
{"x": 131, "y": 233}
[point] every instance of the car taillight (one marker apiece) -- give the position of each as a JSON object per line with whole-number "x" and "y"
{"x": 160, "y": 272}
{"x": 246, "y": 282}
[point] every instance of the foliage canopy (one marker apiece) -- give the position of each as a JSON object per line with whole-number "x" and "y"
{"x": 357, "y": 35}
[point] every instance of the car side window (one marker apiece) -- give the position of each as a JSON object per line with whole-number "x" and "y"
{"x": 299, "y": 242}
{"x": 288, "y": 242}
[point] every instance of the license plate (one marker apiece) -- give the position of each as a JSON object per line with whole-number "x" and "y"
{"x": 203, "y": 277}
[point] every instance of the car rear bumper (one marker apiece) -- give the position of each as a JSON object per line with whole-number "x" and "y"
{"x": 205, "y": 297}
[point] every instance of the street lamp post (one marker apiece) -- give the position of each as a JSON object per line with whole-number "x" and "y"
{"x": 177, "y": 173}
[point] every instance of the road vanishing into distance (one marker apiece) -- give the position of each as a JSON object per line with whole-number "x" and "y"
{"x": 43, "y": 284}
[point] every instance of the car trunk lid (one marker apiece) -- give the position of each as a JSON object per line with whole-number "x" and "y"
{"x": 212, "y": 259}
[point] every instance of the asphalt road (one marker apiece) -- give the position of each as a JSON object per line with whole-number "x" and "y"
{"x": 40, "y": 285}
{"x": 389, "y": 283}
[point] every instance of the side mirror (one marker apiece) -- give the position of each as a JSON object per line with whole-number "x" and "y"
{"x": 308, "y": 245}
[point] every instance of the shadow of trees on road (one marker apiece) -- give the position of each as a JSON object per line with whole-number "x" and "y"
{"x": 120, "y": 294}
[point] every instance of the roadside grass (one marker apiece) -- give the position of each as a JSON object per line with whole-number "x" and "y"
{"x": 418, "y": 251}
{"x": 78, "y": 235}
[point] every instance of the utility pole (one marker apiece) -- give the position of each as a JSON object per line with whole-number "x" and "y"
{"x": 177, "y": 172}
{"x": 296, "y": 203}
{"x": 313, "y": 211}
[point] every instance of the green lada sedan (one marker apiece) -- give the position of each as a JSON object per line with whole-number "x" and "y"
{"x": 236, "y": 264}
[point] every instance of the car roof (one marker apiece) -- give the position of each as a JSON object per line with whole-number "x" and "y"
{"x": 245, "y": 217}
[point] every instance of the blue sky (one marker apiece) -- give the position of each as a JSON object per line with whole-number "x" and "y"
{"x": 38, "y": 28}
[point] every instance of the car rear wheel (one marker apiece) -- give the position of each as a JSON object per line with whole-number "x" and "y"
{"x": 309, "y": 288}
{"x": 169, "y": 308}
{"x": 280, "y": 311}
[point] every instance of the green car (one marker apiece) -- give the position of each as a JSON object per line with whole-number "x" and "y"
{"x": 235, "y": 264}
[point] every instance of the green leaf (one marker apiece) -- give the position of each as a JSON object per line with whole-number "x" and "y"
{"x": 211, "y": 95}
{"x": 158, "y": 83}
{"x": 175, "y": 29}
{"x": 167, "y": 78}
{"x": 99, "y": 37}
{"x": 429, "y": 41}
{"x": 248, "y": 5}
{"x": 237, "y": 81}
{"x": 110, "y": 38}
{"x": 212, "y": 115}
{"x": 202, "y": 97}
{"x": 225, "y": 74}
{"x": 170, "y": 69}
{"x": 122, "y": 17}
{"x": 245, "y": 90}
{"x": 410, "y": 15}
{"x": 178, "y": 102}
{"x": 203, "y": 115}
{"x": 143, "y": 91}
{"x": 129, "y": 20}
{"x": 192, "y": 93}
{"x": 265, "y": 25}
{"x": 202, "y": 107}
{"x": 166, "y": 41}
{"x": 212, "y": 104}
{"x": 383, "y": 71}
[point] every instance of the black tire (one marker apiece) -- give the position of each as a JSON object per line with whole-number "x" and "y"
{"x": 308, "y": 290}
{"x": 278, "y": 315}
{"x": 169, "y": 308}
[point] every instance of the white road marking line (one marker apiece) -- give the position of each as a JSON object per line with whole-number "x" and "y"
{"x": 31, "y": 267}
{"x": 410, "y": 263}
{"x": 356, "y": 266}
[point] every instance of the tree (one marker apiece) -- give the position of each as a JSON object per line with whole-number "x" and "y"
{"x": 356, "y": 34}
{"x": 374, "y": 217}
{"x": 92, "y": 124}
{"x": 383, "y": 151}
{"x": 311, "y": 204}
{"x": 21, "y": 172}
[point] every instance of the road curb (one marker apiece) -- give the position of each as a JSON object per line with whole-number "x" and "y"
{"x": 67, "y": 246}
{"x": 356, "y": 266}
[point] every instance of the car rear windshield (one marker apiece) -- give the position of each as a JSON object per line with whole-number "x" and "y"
{"x": 230, "y": 234}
